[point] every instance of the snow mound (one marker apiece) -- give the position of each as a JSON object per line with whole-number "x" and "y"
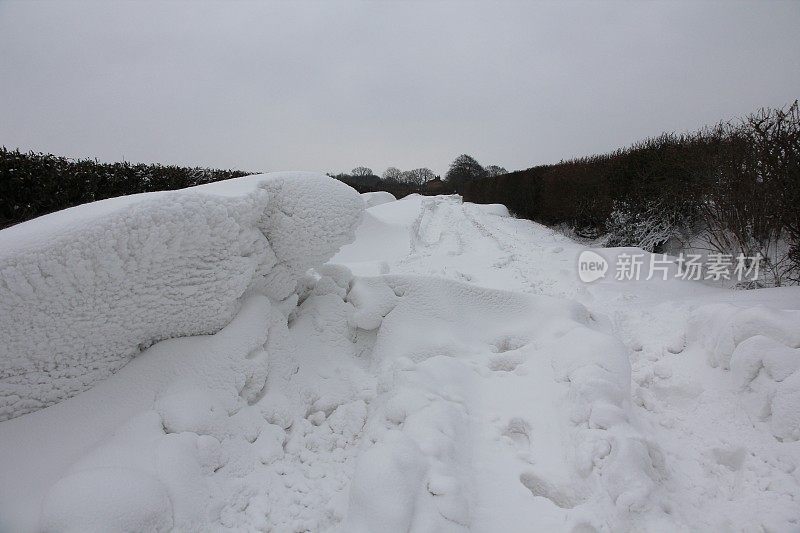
{"x": 761, "y": 348}
{"x": 437, "y": 342}
{"x": 493, "y": 209}
{"x": 83, "y": 290}
{"x": 721, "y": 327}
{"x": 371, "y": 199}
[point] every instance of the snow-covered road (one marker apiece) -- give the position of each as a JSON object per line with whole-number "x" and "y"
{"x": 445, "y": 372}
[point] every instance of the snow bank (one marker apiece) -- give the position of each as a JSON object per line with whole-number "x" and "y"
{"x": 371, "y": 199}
{"x": 83, "y": 290}
{"x": 721, "y": 327}
{"x": 761, "y": 348}
{"x": 383, "y": 237}
{"x": 151, "y": 426}
{"x": 493, "y": 209}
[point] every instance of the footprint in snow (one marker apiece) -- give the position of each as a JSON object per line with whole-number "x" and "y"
{"x": 505, "y": 362}
{"x": 519, "y": 431}
{"x": 562, "y": 497}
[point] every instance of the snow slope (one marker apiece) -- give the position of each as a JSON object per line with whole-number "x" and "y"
{"x": 446, "y": 371}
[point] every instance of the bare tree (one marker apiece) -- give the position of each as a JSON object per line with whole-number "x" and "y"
{"x": 750, "y": 205}
{"x": 393, "y": 174}
{"x": 418, "y": 176}
{"x": 494, "y": 170}
{"x": 361, "y": 171}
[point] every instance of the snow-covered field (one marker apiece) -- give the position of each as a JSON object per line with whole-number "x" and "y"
{"x": 445, "y": 371}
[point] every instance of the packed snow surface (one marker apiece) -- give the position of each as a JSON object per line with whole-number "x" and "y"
{"x": 446, "y": 371}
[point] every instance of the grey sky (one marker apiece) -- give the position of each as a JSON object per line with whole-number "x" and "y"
{"x": 328, "y": 86}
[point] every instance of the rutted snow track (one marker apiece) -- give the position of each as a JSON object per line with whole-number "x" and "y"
{"x": 446, "y": 372}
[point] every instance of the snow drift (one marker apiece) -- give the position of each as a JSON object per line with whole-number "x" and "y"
{"x": 447, "y": 371}
{"x": 761, "y": 348}
{"x": 83, "y": 290}
{"x": 371, "y": 199}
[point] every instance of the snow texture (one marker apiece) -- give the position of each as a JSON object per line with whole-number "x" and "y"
{"x": 84, "y": 290}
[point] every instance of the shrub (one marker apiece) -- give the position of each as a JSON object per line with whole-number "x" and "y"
{"x": 34, "y": 184}
{"x": 738, "y": 182}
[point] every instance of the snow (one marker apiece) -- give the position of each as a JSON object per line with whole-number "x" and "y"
{"x": 107, "y": 499}
{"x": 371, "y": 199}
{"x": 83, "y": 290}
{"x": 446, "y": 371}
{"x": 721, "y": 327}
{"x": 493, "y": 209}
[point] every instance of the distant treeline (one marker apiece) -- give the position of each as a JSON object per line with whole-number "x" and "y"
{"x": 34, "y": 184}
{"x": 733, "y": 187}
{"x": 401, "y": 183}
{"x": 372, "y": 183}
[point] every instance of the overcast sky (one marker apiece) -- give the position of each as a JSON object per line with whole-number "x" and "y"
{"x": 332, "y": 85}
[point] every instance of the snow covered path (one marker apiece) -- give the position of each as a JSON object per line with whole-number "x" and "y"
{"x": 445, "y": 372}
{"x": 712, "y": 461}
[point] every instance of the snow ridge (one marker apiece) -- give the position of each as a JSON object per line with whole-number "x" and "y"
{"x": 84, "y": 290}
